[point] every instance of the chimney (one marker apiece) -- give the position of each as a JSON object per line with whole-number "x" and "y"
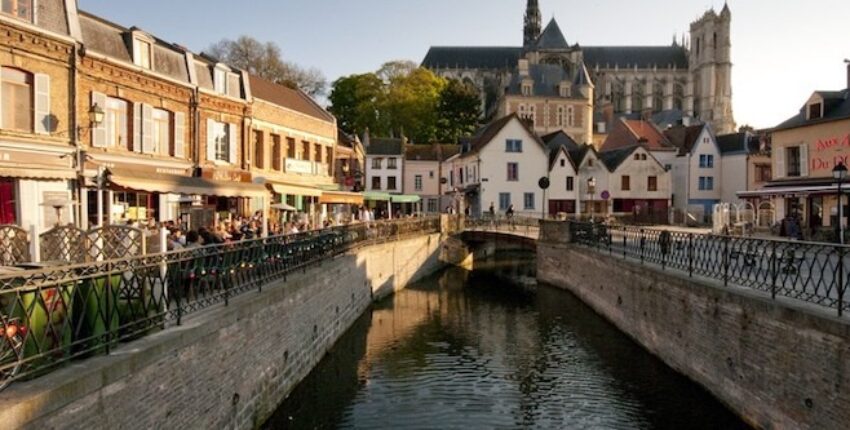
{"x": 523, "y": 67}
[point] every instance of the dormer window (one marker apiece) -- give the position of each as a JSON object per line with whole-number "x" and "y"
{"x": 225, "y": 81}
{"x": 526, "y": 89}
{"x": 142, "y": 52}
{"x": 815, "y": 111}
{"x": 21, "y": 9}
{"x": 220, "y": 80}
{"x": 565, "y": 90}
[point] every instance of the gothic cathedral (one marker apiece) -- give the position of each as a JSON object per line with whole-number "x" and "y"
{"x": 581, "y": 90}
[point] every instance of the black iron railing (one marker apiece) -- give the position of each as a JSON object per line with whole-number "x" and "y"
{"x": 51, "y": 316}
{"x": 811, "y": 272}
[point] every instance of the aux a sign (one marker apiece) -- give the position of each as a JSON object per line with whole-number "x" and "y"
{"x": 830, "y": 151}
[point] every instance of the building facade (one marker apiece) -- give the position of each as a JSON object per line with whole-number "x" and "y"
{"x": 639, "y": 185}
{"x": 698, "y": 173}
{"x": 688, "y": 78}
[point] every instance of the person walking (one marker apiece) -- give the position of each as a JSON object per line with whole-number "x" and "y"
{"x": 509, "y": 214}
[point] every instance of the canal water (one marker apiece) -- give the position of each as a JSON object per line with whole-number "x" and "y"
{"x": 485, "y": 349}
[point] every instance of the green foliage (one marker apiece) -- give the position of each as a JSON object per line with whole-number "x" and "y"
{"x": 459, "y": 110}
{"x": 403, "y": 99}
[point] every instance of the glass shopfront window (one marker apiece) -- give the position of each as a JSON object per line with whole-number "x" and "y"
{"x": 8, "y": 201}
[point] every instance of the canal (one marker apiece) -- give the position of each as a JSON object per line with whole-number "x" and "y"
{"x": 486, "y": 349}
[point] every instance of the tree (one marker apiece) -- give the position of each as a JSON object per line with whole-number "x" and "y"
{"x": 411, "y": 104}
{"x": 393, "y": 70}
{"x": 458, "y": 111}
{"x": 265, "y": 60}
{"x": 356, "y": 102}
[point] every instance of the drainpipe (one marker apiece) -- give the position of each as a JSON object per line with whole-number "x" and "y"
{"x": 81, "y": 220}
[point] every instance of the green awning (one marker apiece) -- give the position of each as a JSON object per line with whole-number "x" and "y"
{"x": 406, "y": 199}
{"x": 376, "y": 196}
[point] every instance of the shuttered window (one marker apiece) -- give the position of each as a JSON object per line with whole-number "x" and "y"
{"x": 116, "y": 122}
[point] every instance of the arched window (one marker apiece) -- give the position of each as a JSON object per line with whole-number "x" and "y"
{"x": 21, "y": 9}
{"x": 532, "y": 115}
{"x": 522, "y": 113}
{"x": 637, "y": 97}
{"x": 658, "y": 97}
{"x": 560, "y": 119}
{"x": 571, "y": 117}
{"x": 17, "y": 100}
{"x": 678, "y": 96}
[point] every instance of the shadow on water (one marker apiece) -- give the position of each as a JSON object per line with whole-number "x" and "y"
{"x": 487, "y": 349}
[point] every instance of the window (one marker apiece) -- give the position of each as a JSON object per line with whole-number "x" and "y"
{"x": 637, "y": 156}
{"x": 277, "y": 156}
{"x": 513, "y": 172}
{"x": 142, "y": 53}
{"x": 392, "y": 163}
{"x": 706, "y": 183}
{"x": 376, "y": 163}
{"x": 763, "y": 173}
{"x": 652, "y": 183}
{"x": 221, "y": 140}
{"x": 432, "y": 205}
{"x": 431, "y": 174}
{"x": 376, "y": 182}
{"x": 625, "y": 183}
{"x": 528, "y": 201}
{"x": 162, "y": 132}
{"x": 451, "y": 178}
{"x": 589, "y": 162}
{"x": 532, "y": 115}
{"x": 706, "y": 161}
{"x": 793, "y": 157}
{"x": 643, "y": 157}
{"x": 305, "y": 150}
{"x": 291, "y": 149}
{"x": 560, "y": 117}
{"x": 815, "y": 111}
{"x": 391, "y": 183}
{"x": 417, "y": 182}
{"x": 8, "y": 201}
{"x": 571, "y": 183}
{"x": 526, "y": 89}
{"x": 258, "y": 149}
{"x": 21, "y": 9}
{"x": 513, "y": 145}
{"x": 504, "y": 201}
{"x": 571, "y": 117}
{"x": 317, "y": 153}
{"x": 17, "y": 99}
{"x": 116, "y": 123}
{"x": 563, "y": 162}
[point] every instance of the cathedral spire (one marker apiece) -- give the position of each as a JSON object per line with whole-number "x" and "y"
{"x": 533, "y": 23}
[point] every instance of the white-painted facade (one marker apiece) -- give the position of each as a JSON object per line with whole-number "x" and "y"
{"x": 563, "y": 183}
{"x": 639, "y": 167}
{"x": 591, "y": 167}
{"x": 379, "y": 166}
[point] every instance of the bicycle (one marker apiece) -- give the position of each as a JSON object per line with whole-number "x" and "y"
{"x": 11, "y": 349}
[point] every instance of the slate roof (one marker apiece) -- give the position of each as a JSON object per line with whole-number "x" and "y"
{"x": 421, "y": 153}
{"x": 738, "y": 143}
{"x": 287, "y": 97}
{"x": 547, "y": 79}
{"x": 112, "y": 40}
{"x": 552, "y": 38}
{"x": 613, "y": 159}
{"x": 684, "y": 137}
{"x": 836, "y": 107}
{"x": 644, "y": 57}
{"x": 385, "y": 146}
{"x": 484, "y": 57}
{"x": 557, "y": 141}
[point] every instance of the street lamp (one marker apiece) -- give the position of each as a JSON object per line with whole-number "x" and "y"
{"x": 839, "y": 172}
{"x": 591, "y": 190}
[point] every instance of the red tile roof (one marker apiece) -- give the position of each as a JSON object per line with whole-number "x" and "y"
{"x": 630, "y": 132}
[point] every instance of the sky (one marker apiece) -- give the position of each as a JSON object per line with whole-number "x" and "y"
{"x": 782, "y": 51}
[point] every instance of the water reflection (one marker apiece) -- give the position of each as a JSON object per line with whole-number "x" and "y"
{"x": 472, "y": 350}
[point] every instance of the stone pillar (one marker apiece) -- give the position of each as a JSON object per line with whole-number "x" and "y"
{"x": 628, "y": 96}
{"x": 555, "y": 232}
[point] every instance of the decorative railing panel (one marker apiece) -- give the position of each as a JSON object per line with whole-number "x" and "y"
{"x": 64, "y": 244}
{"x": 55, "y": 315}
{"x": 14, "y": 245}
{"x": 815, "y": 273}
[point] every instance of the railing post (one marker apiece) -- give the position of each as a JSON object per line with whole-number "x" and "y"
{"x": 625, "y": 242}
{"x": 726, "y": 260}
{"x": 642, "y": 244}
{"x": 177, "y": 293}
{"x": 774, "y": 272}
{"x": 840, "y": 280}
{"x": 690, "y": 255}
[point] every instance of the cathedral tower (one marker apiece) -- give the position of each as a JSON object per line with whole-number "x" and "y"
{"x": 533, "y": 23}
{"x": 711, "y": 70}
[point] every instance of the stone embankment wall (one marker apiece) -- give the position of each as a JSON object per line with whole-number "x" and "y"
{"x": 778, "y": 364}
{"x": 228, "y": 367}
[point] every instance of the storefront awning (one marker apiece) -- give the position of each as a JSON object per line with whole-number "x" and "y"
{"x": 376, "y": 196}
{"x": 188, "y": 185}
{"x": 791, "y": 190}
{"x": 31, "y": 173}
{"x": 406, "y": 199}
{"x": 295, "y": 190}
{"x": 341, "y": 197}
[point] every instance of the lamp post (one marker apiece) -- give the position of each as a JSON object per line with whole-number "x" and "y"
{"x": 591, "y": 190}
{"x": 839, "y": 172}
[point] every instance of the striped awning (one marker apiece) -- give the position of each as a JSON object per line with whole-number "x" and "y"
{"x": 174, "y": 184}
{"x": 295, "y": 190}
{"x": 35, "y": 173}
